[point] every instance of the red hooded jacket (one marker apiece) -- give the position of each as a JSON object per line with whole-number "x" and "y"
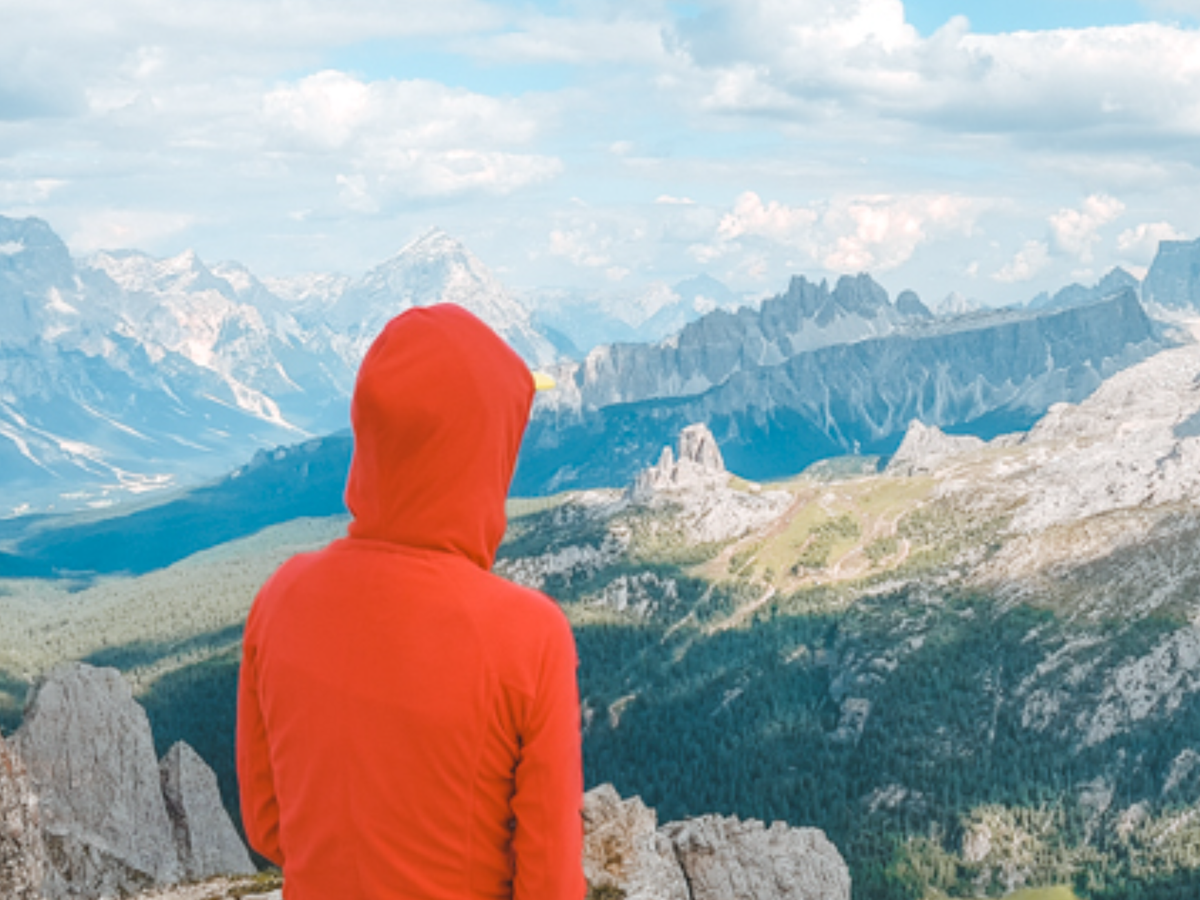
{"x": 408, "y": 722}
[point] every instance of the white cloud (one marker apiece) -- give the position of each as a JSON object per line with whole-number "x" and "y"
{"x": 1031, "y": 259}
{"x": 774, "y": 220}
{"x": 1075, "y": 231}
{"x": 582, "y": 246}
{"x": 584, "y": 40}
{"x": 821, "y": 59}
{"x": 668, "y": 200}
{"x": 27, "y": 192}
{"x": 846, "y": 234}
{"x": 331, "y": 109}
{"x": 406, "y": 138}
{"x": 1140, "y": 243}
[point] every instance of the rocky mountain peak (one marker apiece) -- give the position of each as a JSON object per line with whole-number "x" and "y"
{"x": 434, "y": 268}
{"x": 698, "y": 465}
{"x": 908, "y": 304}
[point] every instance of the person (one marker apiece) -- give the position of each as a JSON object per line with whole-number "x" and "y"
{"x": 408, "y": 722}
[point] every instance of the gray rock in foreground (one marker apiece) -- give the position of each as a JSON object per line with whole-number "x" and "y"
{"x": 205, "y": 838}
{"x": 707, "y": 858}
{"x": 104, "y": 799}
{"x": 22, "y": 856}
{"x": 91, "y": 756}
{"x": 727, "y": 859}
{"x": 623, "y": 848}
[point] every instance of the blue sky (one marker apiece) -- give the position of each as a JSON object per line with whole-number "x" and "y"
{"x": 993, "y": 149}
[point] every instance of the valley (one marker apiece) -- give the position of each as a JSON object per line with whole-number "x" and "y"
{"x": 970, "y": 677}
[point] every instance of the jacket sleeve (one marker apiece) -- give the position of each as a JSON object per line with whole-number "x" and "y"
{"x": 256, "y": 781}
{"x": 547, "y": 803}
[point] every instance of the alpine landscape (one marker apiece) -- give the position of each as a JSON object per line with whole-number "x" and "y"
{"x": 864, "y": 464}
{"x": 926, "y": 583}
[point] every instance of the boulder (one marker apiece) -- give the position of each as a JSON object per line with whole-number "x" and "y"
{"x": 727, "y": 859}
{"x": 205, "y": 839}
{"x": 22, "y": 856}
{"x": 623, "y": 850}
{"x": 705, "y": 858}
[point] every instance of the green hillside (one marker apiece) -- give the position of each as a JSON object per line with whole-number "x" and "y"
{"x": 845, "y": 664}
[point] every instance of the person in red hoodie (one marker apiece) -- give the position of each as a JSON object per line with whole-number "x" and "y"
{"x": 408, "y": 722}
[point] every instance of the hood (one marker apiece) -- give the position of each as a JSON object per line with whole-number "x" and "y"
{"x": 439, "y": 409}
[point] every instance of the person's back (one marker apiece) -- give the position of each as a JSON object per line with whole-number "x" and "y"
{"x": 408, "y": 722}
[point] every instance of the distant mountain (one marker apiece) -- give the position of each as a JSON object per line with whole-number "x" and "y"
{"x": 956, "y": 304}
{"x": 1114, "y": 282}
{"x": 1173, "y": 281}
{"x": 773, "y": 415}
{"x": 123, "y": 373}
{"x": 587, "y": 320}
{"x": 708, "y": 351}
{"x": 435, "y": 268}
{"x": 88, "y": 402}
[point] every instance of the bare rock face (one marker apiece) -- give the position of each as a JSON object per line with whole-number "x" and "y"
{"x": 22, "y": 856}
{"x": 727, "y": 859}
{"x": 706, "y": 858}
{"x": 90, "y": 753}
{"x": 623, "y": 849}
{"x": 699, "y": 465}
{"x": 926, "y": 447}
{"x": 113, "y": 822}
{"x": 205, "y": 838}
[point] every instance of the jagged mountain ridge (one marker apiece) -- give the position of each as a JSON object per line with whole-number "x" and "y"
{"x": 125, "y": 373}
{"x": 981, "y": 375}
{"x": 705, "y": 353}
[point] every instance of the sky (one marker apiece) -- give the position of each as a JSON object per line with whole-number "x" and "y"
{"x": 991, "y": 149}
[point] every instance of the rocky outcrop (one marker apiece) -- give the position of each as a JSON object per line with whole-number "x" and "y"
{"x": 205, "y": 839}
{"x": 624, "y": 850}
{"x": 105, "y": 820}
{"x": 706, "y": 858}
{"x": 90, "y": 753}
{"x": 727, "y": 859}
{"x": 22, "y": 856}
{"x": 706, "y": 503}
{"x": 699, "y": 465}
{"x": 926, "y": 447}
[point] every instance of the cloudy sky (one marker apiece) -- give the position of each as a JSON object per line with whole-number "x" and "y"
{"x": 995, "y": 149}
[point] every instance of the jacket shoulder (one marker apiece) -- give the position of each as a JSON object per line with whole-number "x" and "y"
{"x": 521, "y": 627}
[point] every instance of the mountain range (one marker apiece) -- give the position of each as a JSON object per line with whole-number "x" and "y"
{"x": 123, "y": 374}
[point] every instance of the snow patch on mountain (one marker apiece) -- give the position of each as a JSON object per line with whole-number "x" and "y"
{"x": 435, "y": 268}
